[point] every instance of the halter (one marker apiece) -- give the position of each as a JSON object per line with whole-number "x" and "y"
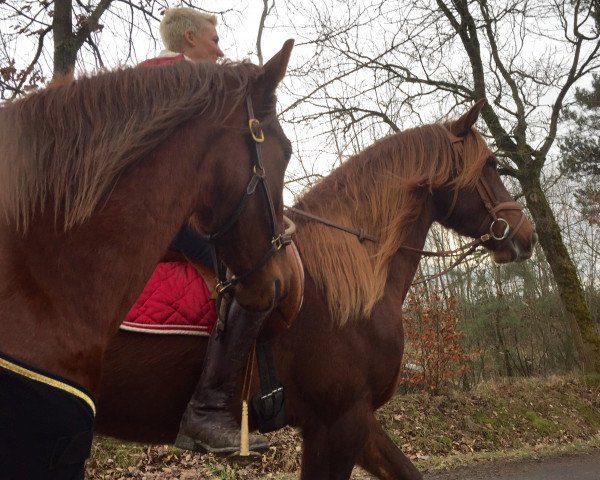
{"x": 278, "y": 241}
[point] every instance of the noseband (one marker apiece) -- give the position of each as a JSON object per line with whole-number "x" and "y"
{"x": 487, "y": 197}
{"x": 257, "y": 180}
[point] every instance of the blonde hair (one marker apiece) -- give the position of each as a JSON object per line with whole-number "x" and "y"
{"x": 179, "y": 20}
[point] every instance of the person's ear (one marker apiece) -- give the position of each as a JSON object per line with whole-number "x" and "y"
{"x": 189, "y": 38}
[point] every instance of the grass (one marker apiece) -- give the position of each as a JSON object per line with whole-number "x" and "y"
{"x": 543, "y": 426}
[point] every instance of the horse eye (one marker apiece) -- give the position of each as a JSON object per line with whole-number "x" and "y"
{"x": 492, "y": 162}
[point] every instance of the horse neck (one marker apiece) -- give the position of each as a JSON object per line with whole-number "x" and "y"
{"x": 353, "y": 276}
{"x": 74, "y": 288}
{"x": 404, "y": 263}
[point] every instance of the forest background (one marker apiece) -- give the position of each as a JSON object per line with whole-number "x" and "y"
{"x": 364, "y": 69}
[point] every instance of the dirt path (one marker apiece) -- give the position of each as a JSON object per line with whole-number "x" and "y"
{"x": 565, "y": 467}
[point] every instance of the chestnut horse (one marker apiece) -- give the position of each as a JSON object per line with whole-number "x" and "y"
{"x": 96, "y": 179}
{"x": 340, "y": 360}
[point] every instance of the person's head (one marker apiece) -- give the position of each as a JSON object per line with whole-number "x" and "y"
{"x": 191, "y": 32}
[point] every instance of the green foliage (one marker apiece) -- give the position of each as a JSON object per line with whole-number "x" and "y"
{"x": 510, "y": 321}
{"x": 580, "y": 149}
{"x": 518, "y": 336}
{"x": 545, "y": 427}
{"x": 514, "y": 318}
{"x": 590, "y": 415}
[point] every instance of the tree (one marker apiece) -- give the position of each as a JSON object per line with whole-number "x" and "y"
{"x": 434, "y": 356}
{"x": 370, "y": 67}
{"x": 42, "y": 39}
{"x": 580, "y": 149}
{"x": 395, "y": 64}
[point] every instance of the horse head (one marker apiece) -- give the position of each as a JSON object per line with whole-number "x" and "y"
{"x": 250, "y": 236}
{"x": 482, "y": 207}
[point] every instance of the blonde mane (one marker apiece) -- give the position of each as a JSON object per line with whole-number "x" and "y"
{"x": 382, "y": 191}
{"x": 66, "y": 145}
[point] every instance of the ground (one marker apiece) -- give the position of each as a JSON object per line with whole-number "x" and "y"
{"x": 514, "y": 422}
{"x": 584, "y": 465}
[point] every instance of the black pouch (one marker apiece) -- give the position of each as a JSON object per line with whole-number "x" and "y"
{"x": 269, "y": 410}
{"x": 268, "y": 405}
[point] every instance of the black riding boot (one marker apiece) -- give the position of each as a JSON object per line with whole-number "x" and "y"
{"x": 207, "y": 424}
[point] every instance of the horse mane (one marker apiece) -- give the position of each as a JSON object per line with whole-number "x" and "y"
{"x": 66, "y": 145}
{"x": 381, "y": 190}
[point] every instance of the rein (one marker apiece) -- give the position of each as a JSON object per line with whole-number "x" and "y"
{"x": 278, "y": 241}
{"x": 464, "y": 250}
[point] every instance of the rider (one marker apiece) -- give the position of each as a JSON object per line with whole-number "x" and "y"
{"x": 206, "y": 424}
{"x": 188, "y": 34}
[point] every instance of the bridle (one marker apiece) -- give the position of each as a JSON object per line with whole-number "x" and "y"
{"x": 278, "y": 241}
{"x": 492, "y": 206}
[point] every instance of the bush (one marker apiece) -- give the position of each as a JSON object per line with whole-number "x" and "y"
{"x": 434, "y": 357}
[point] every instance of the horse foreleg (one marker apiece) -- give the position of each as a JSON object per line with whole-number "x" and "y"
{"x": 382, "y": 458}
{"x": 330, "y": 450}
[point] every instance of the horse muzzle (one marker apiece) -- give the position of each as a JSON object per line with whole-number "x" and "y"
{"x": 517, "y": 249}
{"x": 268, "y": 285}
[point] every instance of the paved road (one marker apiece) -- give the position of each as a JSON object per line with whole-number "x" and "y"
{"x": 567, "y": 467}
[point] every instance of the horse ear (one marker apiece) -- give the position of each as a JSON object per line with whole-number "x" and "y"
{"x": 274, "y": 69}
{"x": 463, "y": 125}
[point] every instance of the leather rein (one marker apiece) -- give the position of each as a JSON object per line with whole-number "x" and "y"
{"x": 278, "y": 241}
{"x": 492, "y": 206}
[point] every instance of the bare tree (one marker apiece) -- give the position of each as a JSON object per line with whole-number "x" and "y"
{"x": 392, "y": 64}
{"x": 42, "y": 39}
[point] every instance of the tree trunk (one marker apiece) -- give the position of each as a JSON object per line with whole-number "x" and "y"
{"x": 585, "y": 332}
{"x": 68, "y": 42}
{"x": 65, "y": 47}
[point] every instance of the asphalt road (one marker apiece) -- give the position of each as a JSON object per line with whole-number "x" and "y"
{"x": 565, "y": 467}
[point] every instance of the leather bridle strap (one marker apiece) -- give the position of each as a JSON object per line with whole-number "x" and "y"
{"x": 488, "y": 199}
{"x": 464, "y": 250}
{"x": 257, "y": 180}
{"x": 361, "y": 235}
{"x": 470, "y": 248}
